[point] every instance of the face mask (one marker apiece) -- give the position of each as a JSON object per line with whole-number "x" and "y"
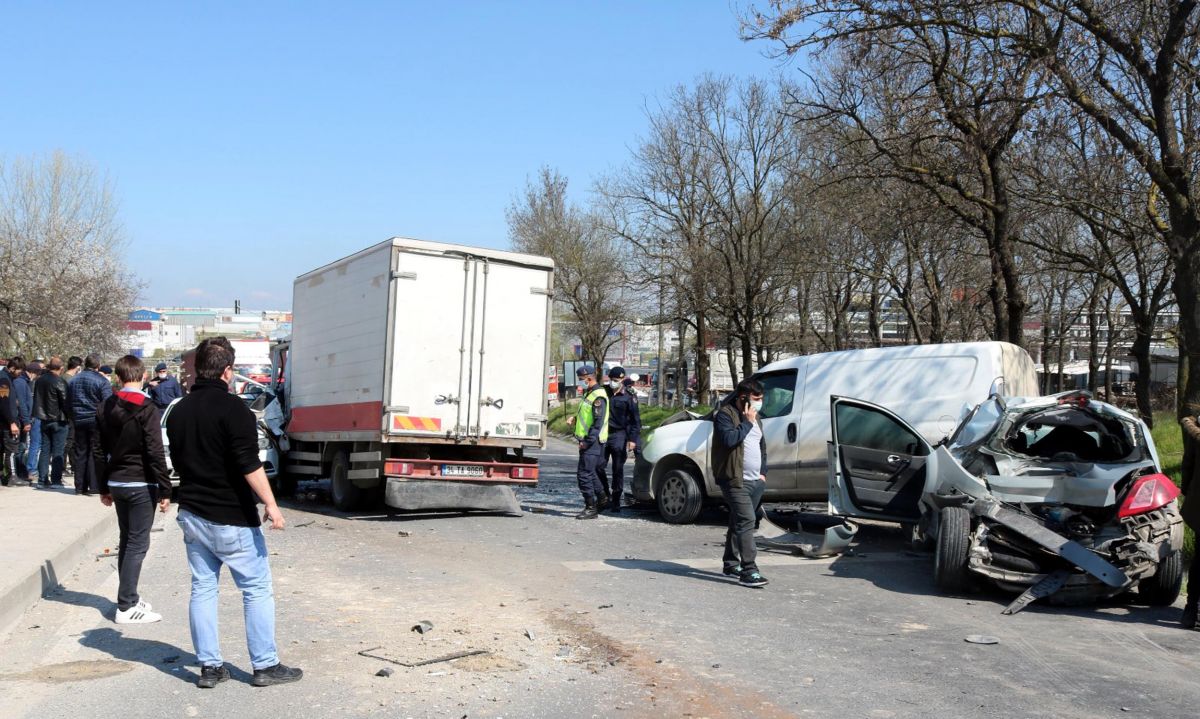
{"x": 756, "y": 404}
{"x": 614, "y": 383}
{"x": 162, "y": 375}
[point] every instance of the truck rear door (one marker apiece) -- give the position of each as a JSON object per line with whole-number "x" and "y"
{"x": 433, "y": 301}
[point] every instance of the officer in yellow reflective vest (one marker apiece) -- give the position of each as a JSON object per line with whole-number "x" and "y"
{"x": 591, "y": 431}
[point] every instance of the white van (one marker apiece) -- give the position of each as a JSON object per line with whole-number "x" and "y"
{"x": 930, "y": 386}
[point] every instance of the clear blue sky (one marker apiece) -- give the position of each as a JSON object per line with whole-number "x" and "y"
{"x": 252, "y": 141}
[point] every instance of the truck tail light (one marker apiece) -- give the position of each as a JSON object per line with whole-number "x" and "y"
{"x": 1147, "y": 494}
{"x": 403, "y": 469}
{"x": 524, "y": 472}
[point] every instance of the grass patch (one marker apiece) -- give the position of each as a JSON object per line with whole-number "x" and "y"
{"x": 1168, "y": 438}
{"x": 651, "y": 416}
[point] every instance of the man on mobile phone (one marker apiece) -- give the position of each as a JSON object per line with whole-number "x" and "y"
{"x": 739, "y": 462}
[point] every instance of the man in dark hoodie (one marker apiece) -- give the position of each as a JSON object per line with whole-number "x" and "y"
{"x": 132, "y": 468}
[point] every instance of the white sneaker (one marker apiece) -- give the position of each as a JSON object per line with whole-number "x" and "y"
{"x": 144, "y": 605}
{"x": 137, "y": 615}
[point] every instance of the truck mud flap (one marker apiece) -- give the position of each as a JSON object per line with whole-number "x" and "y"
{"x": 1073, "y": 552}
{"x": 834, "y": 541}
{"x": 431, "y": 495}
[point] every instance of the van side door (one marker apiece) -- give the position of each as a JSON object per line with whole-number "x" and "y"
{"x": 779, "y": 428}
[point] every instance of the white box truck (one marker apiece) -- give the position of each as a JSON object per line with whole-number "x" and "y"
{"x": 415, "y": 373}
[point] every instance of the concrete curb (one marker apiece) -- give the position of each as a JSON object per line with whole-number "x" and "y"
{"x": 37, "y": 584}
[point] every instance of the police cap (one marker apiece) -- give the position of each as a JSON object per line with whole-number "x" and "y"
{"x": 585, "y": 370}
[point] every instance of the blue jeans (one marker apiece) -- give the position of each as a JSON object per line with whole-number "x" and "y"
{"x": 54, "y": 446}
{"x": 244, "y": 550}
{"x": 35, "y": 445}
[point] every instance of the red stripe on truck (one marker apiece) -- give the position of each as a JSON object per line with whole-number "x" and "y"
{"x": 337, "y": 417}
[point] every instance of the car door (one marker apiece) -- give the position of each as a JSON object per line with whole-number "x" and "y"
{"x": 877, "y": 464}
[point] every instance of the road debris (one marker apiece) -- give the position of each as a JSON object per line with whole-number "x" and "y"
{"x": 385, "y": 672}
{"x": 436, "y": 660}
{"x": 605, "y": 606}
{"x": 404, "y": 533}
{"x": 305, "y": 524}
{"x": 422, "y": 626}
{"x": 981, "y": 639}
{"x": 529, "y": 634}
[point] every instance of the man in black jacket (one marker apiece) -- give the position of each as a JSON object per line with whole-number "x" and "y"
{"x": 50, "y": 409}
{"x": 740, "y": 466}
{"x": 132, "y": 469}
{"x": 214, "y": 446}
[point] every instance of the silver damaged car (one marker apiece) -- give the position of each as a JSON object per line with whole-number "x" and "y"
{"x": 1059, "y": 496}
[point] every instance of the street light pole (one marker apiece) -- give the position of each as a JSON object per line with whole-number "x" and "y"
{"x": 661, "y": 374}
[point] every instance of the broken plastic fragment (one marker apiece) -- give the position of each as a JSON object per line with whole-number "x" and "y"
{"x": 981, "y": 639}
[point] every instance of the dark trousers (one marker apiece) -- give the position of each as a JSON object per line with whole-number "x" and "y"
{"x": 54, "y": 445}
{"x": 8, "y": 452}
{"x": 21, "y": 460}
{"x": 614, "y": 452}
{"x": 739, "y": 538}
{"x": 85, "y": 467}
{"x": 135, "y": 517}
{"x": 590, "y": 462}
{"x": 70, "y": 451}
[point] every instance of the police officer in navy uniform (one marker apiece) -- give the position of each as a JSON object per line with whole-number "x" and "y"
{"x": 591, "y": 431}
{"x": 624, "y": 433}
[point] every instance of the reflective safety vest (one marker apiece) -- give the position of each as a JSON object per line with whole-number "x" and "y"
{"x": 585, "y": 417}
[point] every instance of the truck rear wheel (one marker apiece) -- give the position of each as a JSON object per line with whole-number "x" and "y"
{"x": 345, "y": 495}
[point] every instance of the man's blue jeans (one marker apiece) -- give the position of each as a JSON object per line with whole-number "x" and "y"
{"x": 244, "y": 550}
{"x": 54, "y": 446}
{"x": 35, "y": 446}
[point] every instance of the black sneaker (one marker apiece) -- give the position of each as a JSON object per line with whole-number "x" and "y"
{"x": 753, "y": 579}
{"x": 278, "y": 674}
{"x": 211, "y": 676}
{"x": 734, "y": 571}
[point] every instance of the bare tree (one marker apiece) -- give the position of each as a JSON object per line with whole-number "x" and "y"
{"x": 63, "y": 288}
{"x": 588, "y": 274}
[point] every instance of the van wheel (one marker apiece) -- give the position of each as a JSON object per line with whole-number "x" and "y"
{"x": 1162, "y": 589}
{"x": 679, "y": 497}
{"x": 950, "y": 556}
{"x": 345, "y": 495}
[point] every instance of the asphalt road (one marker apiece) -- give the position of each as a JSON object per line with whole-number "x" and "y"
{"x": 622, "y": 616}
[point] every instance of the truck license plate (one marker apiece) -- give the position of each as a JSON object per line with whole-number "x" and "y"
{"x": 462, "y": 470}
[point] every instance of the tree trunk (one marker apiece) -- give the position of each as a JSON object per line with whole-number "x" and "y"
{"x": 702, "y": 366}
{"x": 1093, "y": 339}
{"x": 1187, "y": 296}
{"x": 747, "y": 357}
{"x": 873, "y": 317}
{"x": 1143, "y": 332}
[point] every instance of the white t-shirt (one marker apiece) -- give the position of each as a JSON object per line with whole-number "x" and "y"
{"x": 752, "y": 455}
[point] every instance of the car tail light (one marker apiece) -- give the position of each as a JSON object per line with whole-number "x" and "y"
{"x": 524, "y": 473}
{"x": 1148, "y": 494}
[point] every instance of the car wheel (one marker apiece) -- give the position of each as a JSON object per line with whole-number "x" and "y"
{"x": 345, "y": 495}
{"x": 1162, "y": 589}
{"x": 950, "y": 554}
{"x": 679, "y": 497}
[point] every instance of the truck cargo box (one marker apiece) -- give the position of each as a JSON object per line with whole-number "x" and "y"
{"x": 421, "y": 342}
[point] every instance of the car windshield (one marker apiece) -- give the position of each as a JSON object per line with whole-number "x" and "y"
{"x": 980, "y": 424}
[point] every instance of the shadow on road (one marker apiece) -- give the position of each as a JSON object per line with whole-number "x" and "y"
{"x": 671, "y": 568}
{"x": 166, "y": 658}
